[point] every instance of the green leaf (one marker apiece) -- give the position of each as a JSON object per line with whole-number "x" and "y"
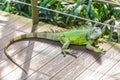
{"x": 76, "y": 6}
{"x": 89, "y": 6}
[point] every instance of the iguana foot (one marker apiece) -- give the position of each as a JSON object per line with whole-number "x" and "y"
{"x": 101, "y": 40}
{"x": 68, "y": 51}
{"x": 101, "y": 50}
{"x": 95, "y": 49}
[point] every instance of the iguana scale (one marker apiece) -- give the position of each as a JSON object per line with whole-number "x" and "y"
{"x": 80, "y": 36}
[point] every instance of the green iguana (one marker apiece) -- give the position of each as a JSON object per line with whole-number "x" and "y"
{"x": 80, "y": 36}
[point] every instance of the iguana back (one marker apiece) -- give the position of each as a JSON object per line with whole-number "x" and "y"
{"x": 77, "y": 36}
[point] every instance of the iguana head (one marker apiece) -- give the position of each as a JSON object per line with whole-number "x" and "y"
{"x": 95, "y": 33}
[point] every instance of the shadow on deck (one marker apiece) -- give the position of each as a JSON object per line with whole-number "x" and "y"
{"x": 42, "y": 59}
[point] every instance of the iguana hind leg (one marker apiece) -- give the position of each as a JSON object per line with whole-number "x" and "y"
{"x": 65, "y": 47}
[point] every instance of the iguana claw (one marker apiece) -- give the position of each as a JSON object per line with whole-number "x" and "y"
{"x": 101, "y": 51}
{"x": 68, "y": 51}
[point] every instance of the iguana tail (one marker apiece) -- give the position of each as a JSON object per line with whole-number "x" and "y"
{"x": 50, "y": 36}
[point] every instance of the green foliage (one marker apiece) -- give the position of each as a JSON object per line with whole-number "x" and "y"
{"x": 16, "y": 8}
{"x": 83, "y": 8}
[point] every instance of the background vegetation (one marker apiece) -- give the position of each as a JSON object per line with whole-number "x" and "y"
{"x": 84, "y": 8}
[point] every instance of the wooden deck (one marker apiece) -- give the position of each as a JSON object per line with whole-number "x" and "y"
{"x": 43, "y": 59}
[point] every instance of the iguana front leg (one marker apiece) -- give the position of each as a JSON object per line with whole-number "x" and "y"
{"x": 100, "y": 40}
{"x": 90, "y": 46}
{"x": 65, "y": 47}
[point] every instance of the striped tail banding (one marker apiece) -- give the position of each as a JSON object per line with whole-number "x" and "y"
{"x": 50, "y": 36}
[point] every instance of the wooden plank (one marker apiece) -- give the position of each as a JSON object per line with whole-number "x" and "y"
{"x": 26, "y": 28}
{"x": 38, "y": 61}
{"x": 40, "y": 45}
{"x": 89, "y": 75}
{"x": 105, "y": 65}
{"x": 77, "y": 67}
{"x": 4, "y": 32}
{"x": 110, "y": 78}
{"x": 50, "y": 69}
{"x": 13, "y": 50}
{"x": 10, "y": 69}
{"x": 55, "y": 66}
{"x": 107, "y": 46}
{"x": 22, "y": 45}
{"x": 2, "y": 43}
{"x": 42, "y": 76}
{"x": 6, "y": 19}
{"x": 113, "y": 74}
{"x": 68, "y": 74}
{"x": 20, "y": 59}
{"x": 13, "y": 21}
{"x": 3, "y": 12}
{"x": 98, "y": 69}
{"x": 114, "y": 53}
{"x": 39, "y": 48}
{"x": 18, "y": 23}
{"x": 45, "y": 57}
{"x": 8, "y": 37}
